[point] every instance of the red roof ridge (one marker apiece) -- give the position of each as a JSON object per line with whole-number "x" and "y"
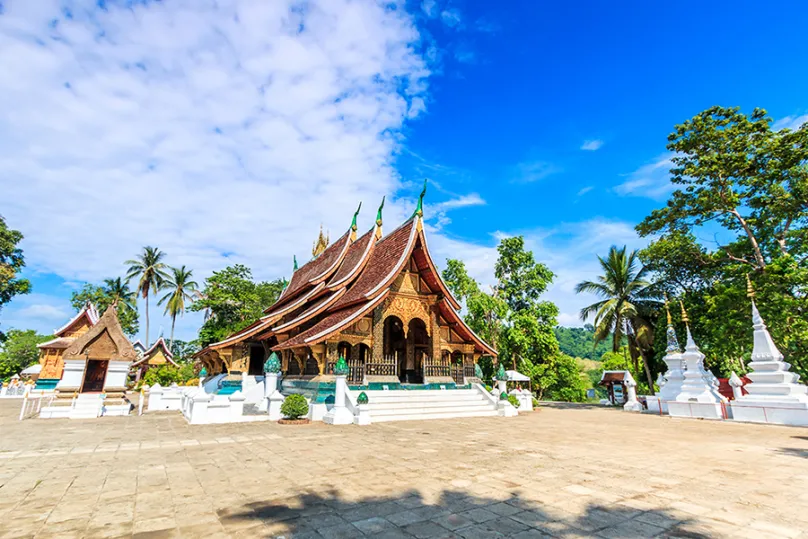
{"x": 313, "y": 310}
{"x": 444, "y": 289}
{"x": 87, "y": 310}
{"x": 474, "y": 337}
{"x": 357, "y": 267}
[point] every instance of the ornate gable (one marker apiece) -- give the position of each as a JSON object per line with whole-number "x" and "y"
{"x": 105, "y": 340}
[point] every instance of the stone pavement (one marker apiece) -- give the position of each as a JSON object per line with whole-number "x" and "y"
{"x": 563, "y": 471}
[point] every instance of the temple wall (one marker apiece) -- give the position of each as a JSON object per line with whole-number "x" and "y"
{"x": 52, "y": 364}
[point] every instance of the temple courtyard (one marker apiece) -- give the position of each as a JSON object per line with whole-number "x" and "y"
{"x": 563, "y": 471}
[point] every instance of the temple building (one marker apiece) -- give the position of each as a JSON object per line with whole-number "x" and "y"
{"x": 50, "y": 353}
{"x": 156, "y": 356}
{"x": 377, "y": 300}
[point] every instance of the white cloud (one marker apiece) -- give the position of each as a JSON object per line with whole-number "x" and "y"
{"x": 592, "y": 145}
{"x": 44, "y": 311}
{"x": 533, "y": 171}
{"x": 222, "y": 132}
{"x": 430, "y": 8}
{"x": 41, "y": 312}
{"x": 651, "y": 180}
{"x": 585, "y": 190}
{"x": 451, "y": 18}
{"x": 790, "y": 122}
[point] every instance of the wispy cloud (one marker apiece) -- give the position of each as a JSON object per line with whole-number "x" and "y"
{"x": 430, "y": 8}
{"x": 451, "y": 17}
{"x": 651, "y": 180}
{"x": 533, "y": 171}
{"x": 585, "y": 190}
{"x": 790, "y": 122}
{"x": 592, "y": 145}
{"x": 486, "y": 26}
{"x": 225, "y": 123}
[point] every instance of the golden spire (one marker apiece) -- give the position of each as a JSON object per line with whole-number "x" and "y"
{"x": 750, "y": 290}
{"x": 667, "y": 309}
{"x": 685, "y": 319}
{"x": 321, "y": 244}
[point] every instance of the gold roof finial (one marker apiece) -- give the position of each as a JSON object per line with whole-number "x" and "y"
{"x": 685, "y": 319}
{"x": 750, "y": 290}
{"x": 667, "y": 310}
{"x": 321, "y": 244}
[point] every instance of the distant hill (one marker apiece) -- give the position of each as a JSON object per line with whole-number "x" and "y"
{"x": 579, "y": 342}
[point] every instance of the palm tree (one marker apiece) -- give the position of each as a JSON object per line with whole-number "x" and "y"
{"x": 119, "y": 293}
{"x": 626, "y": 308}
{"x": 181, "y": 289}
{"x": 151, "y": 272}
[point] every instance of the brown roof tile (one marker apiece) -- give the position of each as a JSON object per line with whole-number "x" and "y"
{"x": 354, "y": 260}
{"x": 461, "y": 328}
{"x": 312, "y": 310}
{"x": 382, "y": 265}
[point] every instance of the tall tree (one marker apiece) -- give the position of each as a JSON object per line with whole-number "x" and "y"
{"x": 626, "y": 308}
{"x": 114, "y": 290}
{"x": 181, "y": 289}
{"x": 234, "y": 301}
{"x": 150, "y": 270}
{"x": 11, "y": 264}
{"x": 19, "y": 351}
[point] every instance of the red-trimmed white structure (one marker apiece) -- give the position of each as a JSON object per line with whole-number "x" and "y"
{"x": 156, "y": 356}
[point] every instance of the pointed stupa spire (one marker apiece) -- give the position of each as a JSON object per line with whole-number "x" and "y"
{"x": 379, "y": 221}
{"x": 353, "y": 222}
{"x": 673, "y": 342}
{"x": 321, "y": 244}
{"x": 691, "y": 344}
{"x": 419, "y": 209}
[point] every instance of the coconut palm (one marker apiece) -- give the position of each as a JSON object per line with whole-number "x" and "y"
{"x": 120, "y": 294}
{"x": 181, "y": 289}
{"x": 626, "y": 308}
{"x": 150, "y": 271}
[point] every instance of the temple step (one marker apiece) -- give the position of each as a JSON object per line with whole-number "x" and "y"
{"x": 87, "y": 406}
{"x": 402, "y": 405}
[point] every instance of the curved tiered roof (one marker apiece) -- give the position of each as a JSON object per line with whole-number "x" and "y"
{"x": 347, "y": 281}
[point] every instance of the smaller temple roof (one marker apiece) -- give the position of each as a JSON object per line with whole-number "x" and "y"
{"x": 58, "y": 342}
{"x": 89, "y": 312}
{"x": 109, "y": 323}
{"x": 159, "y": 345}
{"x": 610, "y": 377}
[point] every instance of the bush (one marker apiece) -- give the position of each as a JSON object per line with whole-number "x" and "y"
{"x": 192, "y": 382}
{"x": 535, "y": 403}
{"x": 295, "y": 407}
{"x": 488, "y": 388}
{"x": 514, "y": 401}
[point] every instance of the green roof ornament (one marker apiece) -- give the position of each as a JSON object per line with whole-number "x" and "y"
{"x": 419, "y": 209}
{"x": 379, "y": 213}
{"x": 362, "y": 398}
{"x": 203, "y": 373}
{"x": 503, "y": 396}
{"x": 273, "y": 364}
{"x": 353, "y": 223}
{"x": 294, "y": 257}
{"x": 501, "y": 376}
{"x": 341, "y": 368}
{"x": 478, "y": 372}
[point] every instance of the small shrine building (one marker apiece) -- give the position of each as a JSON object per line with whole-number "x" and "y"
{"x": 156, "y": 356}
{"x": 50, "y": 353}
{"x": 377, "y": 300}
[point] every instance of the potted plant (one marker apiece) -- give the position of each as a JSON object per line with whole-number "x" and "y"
{"x": 294, "y": 410}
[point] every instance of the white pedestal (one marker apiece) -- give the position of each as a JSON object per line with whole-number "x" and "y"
{"x": 339, "y": 414}
{"x": 274, "y": 402}
{"x": 505, "y": 409}
{"x": 363, "y": 417}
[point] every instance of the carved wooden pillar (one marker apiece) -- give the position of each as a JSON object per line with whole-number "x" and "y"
{"x": 318, "y": 352}
{"x": 378, "y": 335}
{"x": 433, "y": 320}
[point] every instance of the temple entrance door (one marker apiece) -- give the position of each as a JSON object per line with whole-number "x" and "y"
{"x": 418, "y": 341}
{"x": 94, "y": 375}
{"x": 256, "y": 367}
{"x": 395, "y": 343}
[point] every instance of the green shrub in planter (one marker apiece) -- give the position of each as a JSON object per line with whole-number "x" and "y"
{"x": 488, "y": 388}
{"x": 295, "y": 407}
{"x": 514, "y": 401}
{"x": 535, "y": 403}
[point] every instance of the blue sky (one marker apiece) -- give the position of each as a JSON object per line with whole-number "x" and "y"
{"x": 229, "y": 131}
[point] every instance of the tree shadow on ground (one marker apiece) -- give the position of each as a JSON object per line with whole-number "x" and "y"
{"x": 454, "y": 515}
{"x": 577, "y": 405}
{"x": 794, "y": 452}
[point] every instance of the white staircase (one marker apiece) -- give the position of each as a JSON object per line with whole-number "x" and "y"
{"x": 402, "y": 404}
{"x": 86, "y": 406}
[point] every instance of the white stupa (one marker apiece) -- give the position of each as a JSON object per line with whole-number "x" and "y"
{"x": 698, "y": 397}
{"x": 774, "y": 394}
{"x": 673, "y": 377}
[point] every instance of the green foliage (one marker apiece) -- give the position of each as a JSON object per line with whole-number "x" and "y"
{"x": 183, "y": 351}
{"x": 168, "y": 374}
{"x": 580, "y": 342}
{"x": 232, "y": 301}
{"x": 19, "y": 351}
{"x": 516, "y": 322}
{"x": 488, "y": 388}
{"x": 150, "y": 271}
{"x": 104, "y": 296}
{"x": 503, "y": 396}
{"x": 181, "y": 289}
{"x": 514, "y": 401}
{"x": 11, "y": 264}
{"x": 535, "y": 403}
{"x": 295, "y": 407}
{"x": 736, "y": 172}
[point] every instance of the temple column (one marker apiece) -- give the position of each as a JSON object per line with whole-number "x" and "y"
{"x": 377, "y": 352}
{"x": 435, "y": 335}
